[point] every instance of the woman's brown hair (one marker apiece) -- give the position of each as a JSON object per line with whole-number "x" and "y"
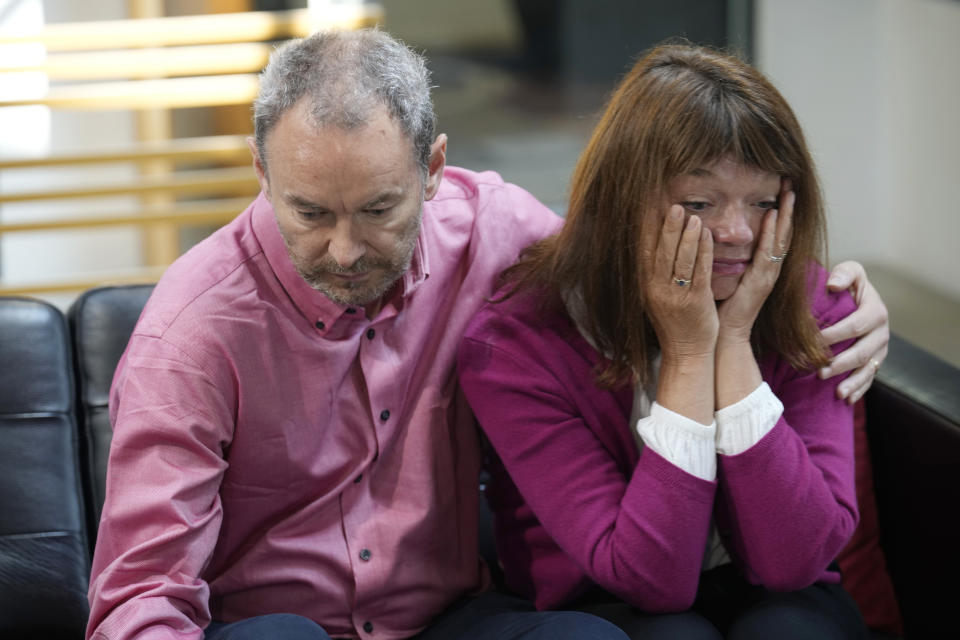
{"x": 679, "y": 108}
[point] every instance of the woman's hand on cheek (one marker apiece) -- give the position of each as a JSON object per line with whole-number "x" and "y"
{"x": 677, "y": 260}
{"x": 739, "y": 311}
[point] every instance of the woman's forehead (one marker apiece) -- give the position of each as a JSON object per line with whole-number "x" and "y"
{"x": 728, "y": 170}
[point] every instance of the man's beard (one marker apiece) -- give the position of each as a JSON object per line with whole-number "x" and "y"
{"x": 318, "y": 275}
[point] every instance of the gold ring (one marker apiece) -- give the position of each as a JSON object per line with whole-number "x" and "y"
{"x": 876, "y": 365}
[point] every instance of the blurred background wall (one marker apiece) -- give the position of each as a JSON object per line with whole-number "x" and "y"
{"x": 876, "y": 86}
{"x": 520, "y": 82}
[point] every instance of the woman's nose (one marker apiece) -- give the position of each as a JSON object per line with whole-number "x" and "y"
{"x": 732, "y": 226}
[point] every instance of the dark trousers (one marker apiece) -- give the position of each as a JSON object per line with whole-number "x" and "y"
{"x": 727, "y": 606}
{"x": 490, "y": 616}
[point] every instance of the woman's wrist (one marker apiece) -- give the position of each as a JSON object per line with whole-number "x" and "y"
{"x": 683, "y": 382}
{"x": 688, "y": 353}
{"x": 737, "y": 371}
{"x": 732, "y": 338}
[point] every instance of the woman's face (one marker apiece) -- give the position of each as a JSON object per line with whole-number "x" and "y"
{"x": 731, "y": 200}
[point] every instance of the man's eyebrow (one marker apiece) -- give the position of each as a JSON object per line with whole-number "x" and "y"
{"x": 301, "y": 203}
{"x": 387, "y": 196}
{"x": 384, "y": 198}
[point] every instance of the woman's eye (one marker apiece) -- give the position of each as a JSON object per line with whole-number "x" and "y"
{"x": 695, "y": 205}
{"x": 767, "y": 204}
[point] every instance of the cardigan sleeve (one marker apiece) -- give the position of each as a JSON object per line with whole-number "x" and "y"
{"x": 787, "y": 505}
{"x": 683, "y": 442}
{"x": 639, "y": 534}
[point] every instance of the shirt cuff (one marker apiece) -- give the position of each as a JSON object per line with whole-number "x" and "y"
{"x": 744, "y": 423}
{"x": 683, "y": 442}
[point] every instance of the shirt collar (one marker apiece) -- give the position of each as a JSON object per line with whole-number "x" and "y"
{"x": 320, "y": 310}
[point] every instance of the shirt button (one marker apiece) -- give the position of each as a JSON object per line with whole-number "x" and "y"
{"x": 365, "y": 554}
{"x": 370, "y": 334}
{"x": 320, "y": 325}
{"x": 385, "y": 415}
{"x": 368, "y": 626}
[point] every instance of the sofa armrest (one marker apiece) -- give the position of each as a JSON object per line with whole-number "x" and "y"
{"x": 913, "y": 425}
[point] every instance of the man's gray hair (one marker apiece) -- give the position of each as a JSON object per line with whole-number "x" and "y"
{"x": 346, "y": 75}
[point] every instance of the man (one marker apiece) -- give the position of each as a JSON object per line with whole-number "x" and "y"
{"x": 292, "y": 457}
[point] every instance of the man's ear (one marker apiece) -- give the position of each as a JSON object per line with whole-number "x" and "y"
{"x": 258, "y": 166}
{"x": 438, "y": 160}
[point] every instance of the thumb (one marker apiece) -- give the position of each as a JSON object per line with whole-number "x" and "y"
{"x": 842, "y": 276}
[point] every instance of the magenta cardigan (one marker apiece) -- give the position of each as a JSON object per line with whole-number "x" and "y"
{"x": 577, "y": 505}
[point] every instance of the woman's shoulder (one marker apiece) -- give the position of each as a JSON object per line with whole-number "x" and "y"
{"x": 528, "y": 324}
{"x": 828, "y": 307}
{"x": 512, "y": 313}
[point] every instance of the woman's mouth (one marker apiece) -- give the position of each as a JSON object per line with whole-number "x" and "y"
{"x": 729, "y": 267}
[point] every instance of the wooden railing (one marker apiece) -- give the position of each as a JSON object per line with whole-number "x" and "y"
{"x": 152, "y": 65}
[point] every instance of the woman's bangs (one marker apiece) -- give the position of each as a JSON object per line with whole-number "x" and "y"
{"x": 757, "y": 142}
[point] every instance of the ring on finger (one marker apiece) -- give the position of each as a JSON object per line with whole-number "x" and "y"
{"x": 778, "y": 258}
{"x": 876, "y": 365}
{"x": 681, "y": 282}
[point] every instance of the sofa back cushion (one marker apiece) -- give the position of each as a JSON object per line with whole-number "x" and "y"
{"x": 101, "y": 322}
{"x": 44, "y": 559}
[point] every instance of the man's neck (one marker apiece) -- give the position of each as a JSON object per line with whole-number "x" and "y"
{"x": 374, "y": 308}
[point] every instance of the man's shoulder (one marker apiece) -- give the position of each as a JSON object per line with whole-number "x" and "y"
{"x": 490, "y": 218}
{"x": 459, "y": 183}
{"x": 486, "y": 196}
{"x": 204, "y": 280}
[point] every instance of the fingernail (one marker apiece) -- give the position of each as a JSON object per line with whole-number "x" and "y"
{"x": 833, "y": 281}
{"x": 844, "y": 391}
{"x": 824, "y": 373}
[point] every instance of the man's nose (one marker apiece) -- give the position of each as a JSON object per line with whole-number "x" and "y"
{"x": 346, "y": 244}
{"x": 733, "y": 226}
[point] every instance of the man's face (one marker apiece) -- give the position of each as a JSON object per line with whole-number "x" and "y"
{"x": 348, "y": 202}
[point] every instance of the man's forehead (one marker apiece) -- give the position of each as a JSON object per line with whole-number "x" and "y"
{"x": 307, "y": 115}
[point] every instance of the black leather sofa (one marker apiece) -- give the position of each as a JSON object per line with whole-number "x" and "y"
{"x": 55, "y": 373}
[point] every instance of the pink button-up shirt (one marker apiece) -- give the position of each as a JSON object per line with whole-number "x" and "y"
{"x": 276, "y": 452}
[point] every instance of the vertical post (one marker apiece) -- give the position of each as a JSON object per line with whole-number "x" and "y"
{"x": 235, "y": 118}
{"x": 740, "y": 27}
{"x": 161, "y": 244}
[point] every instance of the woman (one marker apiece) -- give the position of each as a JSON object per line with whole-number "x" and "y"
{"x": 666, "y": 455}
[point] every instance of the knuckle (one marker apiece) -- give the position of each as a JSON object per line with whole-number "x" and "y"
{"x": 858, "y": 325}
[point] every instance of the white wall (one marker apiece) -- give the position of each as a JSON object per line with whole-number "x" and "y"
{"x": 876, "y": 86}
